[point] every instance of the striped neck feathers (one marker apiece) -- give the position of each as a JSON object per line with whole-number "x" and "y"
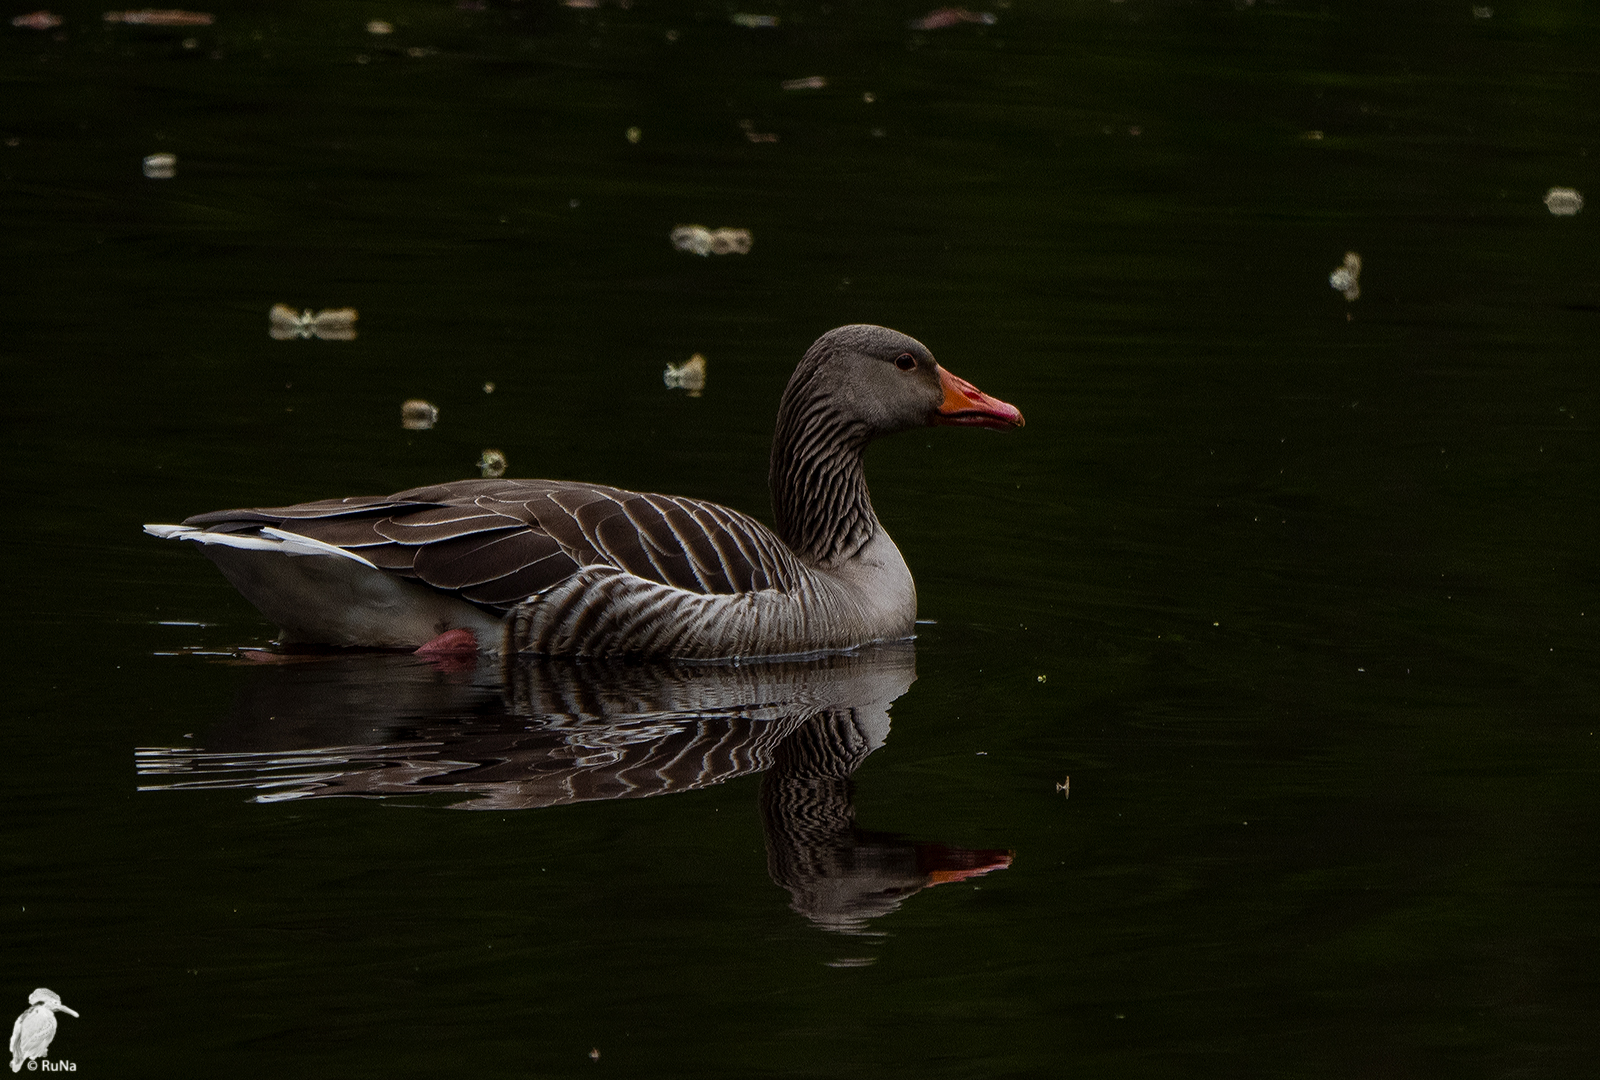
{"x": 819, "y": 489}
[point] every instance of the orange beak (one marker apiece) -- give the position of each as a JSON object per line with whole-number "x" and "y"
{"x": 966, "y": 405}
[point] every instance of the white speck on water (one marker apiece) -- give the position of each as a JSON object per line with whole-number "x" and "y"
{"x": 165, "y": 166}
{"x": 689, "y": 375}
{"x": 492, "y": 464}
{"x": 418, "y": 415}
{"x": 699, "y": 240}
{"x": 1347, "y": 277}
{"x": 1563, "y": 201}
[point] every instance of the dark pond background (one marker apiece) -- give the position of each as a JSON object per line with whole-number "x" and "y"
{"x": 1300, "y": 592}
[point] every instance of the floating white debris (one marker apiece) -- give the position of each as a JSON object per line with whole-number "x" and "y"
{"x": 695, "y": 239}
{"x": 940, "y": 18}
{"x": 699, "y": 240}
{"x": 1483, "y": 13}
{"x": 161, "y": 17}
{"x": 810, "y": 82}
{"x": 418, "y": 415}
{"x": 488, "y": 388}
{"x": 161, "y": 166}
{"x": 731, "y": 242}
{"x": 633, "y": 135}
{"x": 1563, "y": 201}
{"x": 37, "y": 20}
{"x": 379, "y": 27}
{"x": 331, "y": 324}
{"x": 689, "y": 375}
{"x": 492, "y": 464}
{"x": 750, "y": 132}
{"x": 753, "y": 22}
{"x": 1347, "y": 278}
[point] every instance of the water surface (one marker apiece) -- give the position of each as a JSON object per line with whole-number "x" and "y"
{"x": 1300, "y": 592}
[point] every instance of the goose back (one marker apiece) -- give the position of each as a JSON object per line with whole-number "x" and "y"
{"x": 494, "y": 543}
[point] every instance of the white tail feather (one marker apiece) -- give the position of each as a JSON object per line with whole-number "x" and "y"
{"x": 269, "y": 539}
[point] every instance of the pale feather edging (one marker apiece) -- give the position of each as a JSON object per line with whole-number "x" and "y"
{"x": 269, "y": 539}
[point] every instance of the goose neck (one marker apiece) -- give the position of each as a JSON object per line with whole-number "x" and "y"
{"x": 819, "y": 487}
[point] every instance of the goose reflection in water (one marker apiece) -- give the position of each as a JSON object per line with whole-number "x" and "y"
{"x": 526, "y": 733}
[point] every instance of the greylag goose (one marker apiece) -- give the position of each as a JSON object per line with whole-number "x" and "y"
{"x": 566, "y": 568}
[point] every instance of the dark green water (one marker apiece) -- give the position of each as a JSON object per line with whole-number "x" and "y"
{"x": 1301, "y": 593}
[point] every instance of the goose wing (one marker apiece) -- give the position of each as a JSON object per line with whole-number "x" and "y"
{"x": 497, "y": 542}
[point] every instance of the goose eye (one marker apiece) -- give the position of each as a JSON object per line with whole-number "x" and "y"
{"x": 905, "y": 362}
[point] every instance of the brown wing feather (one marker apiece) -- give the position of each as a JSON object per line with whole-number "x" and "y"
{"x": 354, "y": 533}
{"x": 497, "y": 542}
{"x": 679, "y": 533}
{"x": 573, "y": 513}
{"x": 395, "y": 557}
{"x": 505, "y": 592}
{"x": 465, "y": 561}
{"x": 443, "y": 523}
{"x": 323, "y": 508}
{"x": 639, "y": 537}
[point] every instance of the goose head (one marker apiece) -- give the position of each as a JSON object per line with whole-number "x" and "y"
{"x": 853, "y": 385}
{"x": 886, "y": 382}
